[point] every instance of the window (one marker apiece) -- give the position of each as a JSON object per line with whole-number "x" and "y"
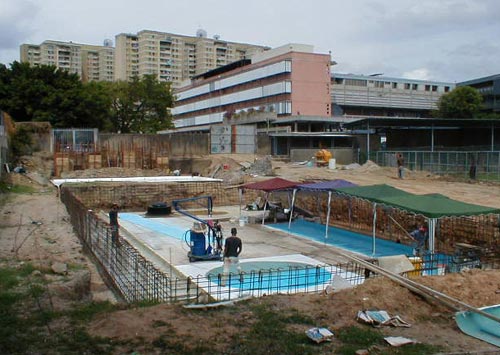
{"x": 394, "y": 85}
{"x": 414, "y": 87}
{"x": 434, "y": 88}
{"x": 427, "y": 88}
{"x": 339, "y": 81}
{"x": 446, "y": 89}
{"x": 355, "y": 82}
{"x": 407, "y": 86}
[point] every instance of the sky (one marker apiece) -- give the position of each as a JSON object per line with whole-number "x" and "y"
{"x": 439, "y": 40}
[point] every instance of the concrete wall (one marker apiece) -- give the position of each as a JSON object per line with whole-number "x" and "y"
{"x": 311, "y": 84}
{"x": 138, "y": 196}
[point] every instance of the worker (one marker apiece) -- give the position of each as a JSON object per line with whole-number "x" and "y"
{"x": 420, "y": 236}
{"x": 232, "y": 250}
{"x": 113, "y": 222}
{"x": 400, "y": 160}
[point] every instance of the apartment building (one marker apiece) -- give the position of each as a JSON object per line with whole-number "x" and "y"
{"x": 384, "y": 96}
{"x": 288, "y": 81}
{"x": 91, "y": 63}
{"x": 174, "y": 58}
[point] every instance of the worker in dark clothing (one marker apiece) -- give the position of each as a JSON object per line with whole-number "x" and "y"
{"x": 232, "y": 250}
{"x": 420, "y": 236}
{"x": 113, "y": 222}
{"x": 400, "y": 160}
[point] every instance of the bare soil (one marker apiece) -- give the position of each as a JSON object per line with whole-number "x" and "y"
{"x": 36, "y": 227}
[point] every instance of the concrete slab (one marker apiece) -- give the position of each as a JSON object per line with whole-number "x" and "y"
{"x": 396, "y": 263}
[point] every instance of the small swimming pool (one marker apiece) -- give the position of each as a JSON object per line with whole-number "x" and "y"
{"x": 341, "y": 238}
{"x": 272, "y": 276}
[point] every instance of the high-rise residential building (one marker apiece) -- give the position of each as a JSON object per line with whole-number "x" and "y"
{"x": 91, "y": 63}
{"x": 174, "y": 58}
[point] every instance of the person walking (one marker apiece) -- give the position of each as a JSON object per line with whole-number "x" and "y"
{"x": 232, "y": 249}
{"x": 400, "y": 160}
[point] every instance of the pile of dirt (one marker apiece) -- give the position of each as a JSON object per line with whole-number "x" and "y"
{"x": 430, "y": 323}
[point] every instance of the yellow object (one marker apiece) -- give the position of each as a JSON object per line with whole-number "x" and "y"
{"x": 323, "y": 156}
{"x": 418, "y": 265}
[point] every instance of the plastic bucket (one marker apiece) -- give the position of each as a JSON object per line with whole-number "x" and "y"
{"x": 332, "y": 164}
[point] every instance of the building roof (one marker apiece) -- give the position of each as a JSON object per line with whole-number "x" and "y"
{"x": 405, "y": 123}
{"x": 224, "y": 69}
{"x": 480, "y": 80}
{"x": 386, "y": 78}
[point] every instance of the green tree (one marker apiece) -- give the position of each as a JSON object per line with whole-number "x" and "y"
{"x": 463, "y": 102}
{"x": 45, "y": 93}
{"x": 141, "y": 105}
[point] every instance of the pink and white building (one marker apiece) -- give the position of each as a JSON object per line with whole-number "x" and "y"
{"x": 284, "y": 82}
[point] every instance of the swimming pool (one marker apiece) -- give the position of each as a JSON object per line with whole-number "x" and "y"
{"x": 155, "y": 225}
{"x": 272, "y": 275}
{"x": 341, "y": 238}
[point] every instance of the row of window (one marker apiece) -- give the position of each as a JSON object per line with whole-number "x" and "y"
{"x": 388, "y": 84}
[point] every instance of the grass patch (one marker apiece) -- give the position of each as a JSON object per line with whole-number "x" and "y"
{"x": 88, "y": 311}
{"x": 270, "y": 334}
{"x": 16, "y": 189}
{"x": 25, "y": 325}
{"x": 171, "y": 345}
{"x": 355, "y": 338}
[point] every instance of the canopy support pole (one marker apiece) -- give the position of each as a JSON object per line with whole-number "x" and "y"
{"x": 432, "y": 222}
{"x": 374, "y": 228}
{"x": 240, "y": 192}
{"x": 291, "y": 209}
{"x": 265, "y": 205}
{"x": 328, "y": 215}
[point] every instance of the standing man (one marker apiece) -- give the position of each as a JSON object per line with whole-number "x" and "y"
{"x": 232, "y": 250}
{"x": 113, "y": 221}
{"x": 420, "y": 236}
{"x": 401, "y": 162}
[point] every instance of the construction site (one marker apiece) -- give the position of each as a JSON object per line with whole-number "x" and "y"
{"x": 66, "y": 221}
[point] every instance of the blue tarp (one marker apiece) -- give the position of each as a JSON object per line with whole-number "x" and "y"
{"x": 326, "y": 185}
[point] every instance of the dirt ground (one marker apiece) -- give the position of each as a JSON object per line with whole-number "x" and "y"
{"x": 36, "y": 227}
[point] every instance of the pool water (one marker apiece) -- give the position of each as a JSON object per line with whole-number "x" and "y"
{"x": 168, "y": 230}
{"x": 272, "y": 275}
{"x": 341, "y": 238}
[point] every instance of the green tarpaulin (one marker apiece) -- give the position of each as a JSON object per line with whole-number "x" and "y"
{"x": 431, "y": 205}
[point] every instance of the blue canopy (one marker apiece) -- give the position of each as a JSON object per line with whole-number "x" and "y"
{"x": 326, "y": 185}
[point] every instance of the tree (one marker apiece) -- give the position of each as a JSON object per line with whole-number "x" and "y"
{"x": 45, "y": 93}
{"x": 463, "y": 102}
{"x": 141, "y": 105}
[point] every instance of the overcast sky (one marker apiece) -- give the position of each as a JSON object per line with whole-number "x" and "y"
{"x": 441, "y": 40}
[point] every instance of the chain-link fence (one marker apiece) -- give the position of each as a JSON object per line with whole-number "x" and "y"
{"x": 481, "y": 165}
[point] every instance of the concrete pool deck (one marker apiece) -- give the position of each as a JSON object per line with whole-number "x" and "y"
{"x": 258, "y": 241}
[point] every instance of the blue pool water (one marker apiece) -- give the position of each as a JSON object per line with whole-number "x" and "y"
{"x": 150, "y": 223}
{"x": 341, "y": 238}
{"x": 275, "y": 275}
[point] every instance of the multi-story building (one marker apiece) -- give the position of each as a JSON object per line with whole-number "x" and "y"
{"x": 174, "y": 58}
{"x": 489, "y": 88}
{"x": 91, "y": 63}
{"x": 288, "y": 81}
{"x": 384, "y": 96}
